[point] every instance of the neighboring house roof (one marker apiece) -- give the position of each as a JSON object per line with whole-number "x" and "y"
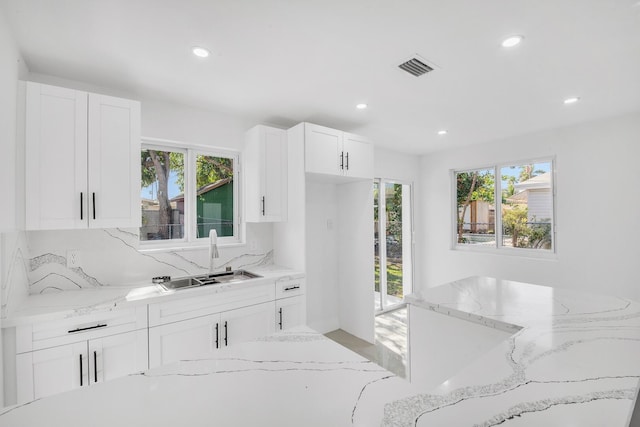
{"x": 539, "y": 182}
{"x": 205, "y": 188}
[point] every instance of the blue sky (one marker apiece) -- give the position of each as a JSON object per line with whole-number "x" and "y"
{"x": 150, "y": 191}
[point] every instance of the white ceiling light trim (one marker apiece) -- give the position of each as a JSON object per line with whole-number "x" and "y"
{"x": 512, "y": 41}
{"x": 571, "y": 100}
{"x": 200, "y": 51}
{"x": 443, "y": 132}
{"x": 362, "y": 106}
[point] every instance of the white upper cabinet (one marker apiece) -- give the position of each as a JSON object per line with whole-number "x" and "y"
{"x": 333, "y": 152}
{"x": 82, "y": 159}
{"x": 265, "y": 172}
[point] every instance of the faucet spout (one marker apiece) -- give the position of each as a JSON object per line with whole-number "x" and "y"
{"x": 213, "y": 249}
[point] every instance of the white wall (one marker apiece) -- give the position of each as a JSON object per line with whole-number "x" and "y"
{"x": 598, "y": 209}
{"x": 11, "y": 69}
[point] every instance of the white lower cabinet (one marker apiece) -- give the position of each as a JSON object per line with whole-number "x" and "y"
{"x": 290, "y": 312}
{"x": 53, "y": 370}
{"x": 194, "y": 338}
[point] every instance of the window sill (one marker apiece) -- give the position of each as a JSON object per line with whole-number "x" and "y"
{"x": 537, "y": 254}
{"x": 184, "y": 247}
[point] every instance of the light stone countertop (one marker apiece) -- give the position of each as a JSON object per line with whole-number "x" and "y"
{"x": 69, "y": 304}
{"x": 574, "y": 362}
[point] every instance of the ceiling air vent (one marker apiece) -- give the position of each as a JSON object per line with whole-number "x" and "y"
{"x": 416, "y": 67}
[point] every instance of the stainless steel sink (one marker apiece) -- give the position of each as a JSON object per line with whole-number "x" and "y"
{"x": 209, "y": 279}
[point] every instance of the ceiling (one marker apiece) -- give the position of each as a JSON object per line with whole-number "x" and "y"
{"x": 286, "y": 61}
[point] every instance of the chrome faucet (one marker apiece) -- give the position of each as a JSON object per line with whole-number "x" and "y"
{"x": 213, "y": 248}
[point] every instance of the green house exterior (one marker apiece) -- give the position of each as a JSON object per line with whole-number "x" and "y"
{"x": 215, "y": 210}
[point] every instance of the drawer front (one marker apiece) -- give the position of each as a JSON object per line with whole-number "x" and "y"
{"x": 51, "y": 334}
{"x": 290, "y": 287}
{"x": 204, "y": 305}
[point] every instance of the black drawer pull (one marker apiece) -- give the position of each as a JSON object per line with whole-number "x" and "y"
{"x": 81, "y": 374}
{"x": 95, "y": 366}
{"x": 292, "y": 288}
{"x": 102, "y": 325}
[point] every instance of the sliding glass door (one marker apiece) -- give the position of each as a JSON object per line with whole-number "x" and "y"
{"x": 393, "y": 242}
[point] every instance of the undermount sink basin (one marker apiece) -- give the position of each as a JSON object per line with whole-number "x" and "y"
{"x": 209, "y": 279}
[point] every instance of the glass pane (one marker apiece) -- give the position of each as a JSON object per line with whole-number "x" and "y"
{"x": 393, "y": 205}
{"x": 214, "y": 202}
{"x": 476, "y": 211}
{"x": 162, "y": 198}
{"x": 527, "y": 206}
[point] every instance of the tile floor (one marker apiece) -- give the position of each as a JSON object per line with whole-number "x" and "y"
{"x": 390, "y": 348}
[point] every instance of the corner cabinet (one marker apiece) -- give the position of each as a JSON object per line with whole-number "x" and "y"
{"x": 82, "y": 159}
{"x": 333, "y": 152}
{"x": 265, "y": 172}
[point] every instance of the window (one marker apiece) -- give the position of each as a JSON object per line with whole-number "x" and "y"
{"x": 514, "y": 211}
{"x": 186, "y": 192}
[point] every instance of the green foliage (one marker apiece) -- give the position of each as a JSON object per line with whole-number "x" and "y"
{"x": 475, "y": 185}
{"x": 514, "y": 222}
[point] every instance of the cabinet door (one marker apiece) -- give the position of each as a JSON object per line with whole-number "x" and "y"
{"x": 117, "y": 356}
{"x": 114, "y": 162}
{"x": 246, "y": 324}
{"x": 290, "y": 312}
{"x": 53, "y": 370}
{"x": 274, "y": 157}
{"x": 187, "y": 339}
{"x": 56, "y": 153}
{"x": 323, "y": 149}
{"x": 265, "y": 173}
{"x": 358, "y": 152}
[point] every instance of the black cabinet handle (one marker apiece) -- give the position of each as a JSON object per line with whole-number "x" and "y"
{"x": 99, "y": 325}
{"x": 263, "y": 209}
{"x": 347, "y": 163}
{"x": 226, "y": 334}
{"x": 81, "y": 207}
{"x": 280, "y": 311}
{"x": 291, "y": 288}
{"x": 217, "y": 335}
{"x": 94, "y": 204}
{"x": 342, "y": 160}
{"x": 95, "y": 366}
{"x": 81, "y": 370}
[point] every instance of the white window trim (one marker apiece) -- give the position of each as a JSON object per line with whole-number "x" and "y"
{"x": 499, "y": 249}
{"x": 190, "y": 242}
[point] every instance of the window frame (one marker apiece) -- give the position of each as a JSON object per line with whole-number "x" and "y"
{"x": 499, "y": 248}
{"x": 191, "y": 151}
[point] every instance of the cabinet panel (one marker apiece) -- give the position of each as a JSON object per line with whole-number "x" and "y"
{"x": 54, "y": 370}
{"x": 188, "y": 339}
{"x": 114, "y": 162}
{"x": 323, "y": 147}
{"x": 246, "y": 324}
{"x": 265, "y": 173}
{"x": 290, "y": 312}
{"x": 117, "y": 356}
{"x": 56, "y": 153}
{"x": 358, "y": 156}
{"x": 275, "y": 175}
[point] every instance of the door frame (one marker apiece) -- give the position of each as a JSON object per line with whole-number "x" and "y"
{"x": 382, "y": 243}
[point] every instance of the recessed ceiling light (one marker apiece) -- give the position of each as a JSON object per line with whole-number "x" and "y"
{"x": 200, "y": 52}
{"x": 361, "y": 106}
{"x": 572, "y": 100}
{"x": 512, "y": 41}
{"x": 443, "y": 132}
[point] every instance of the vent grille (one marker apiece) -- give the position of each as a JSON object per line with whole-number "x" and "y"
{"x": 416, "y": 67}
